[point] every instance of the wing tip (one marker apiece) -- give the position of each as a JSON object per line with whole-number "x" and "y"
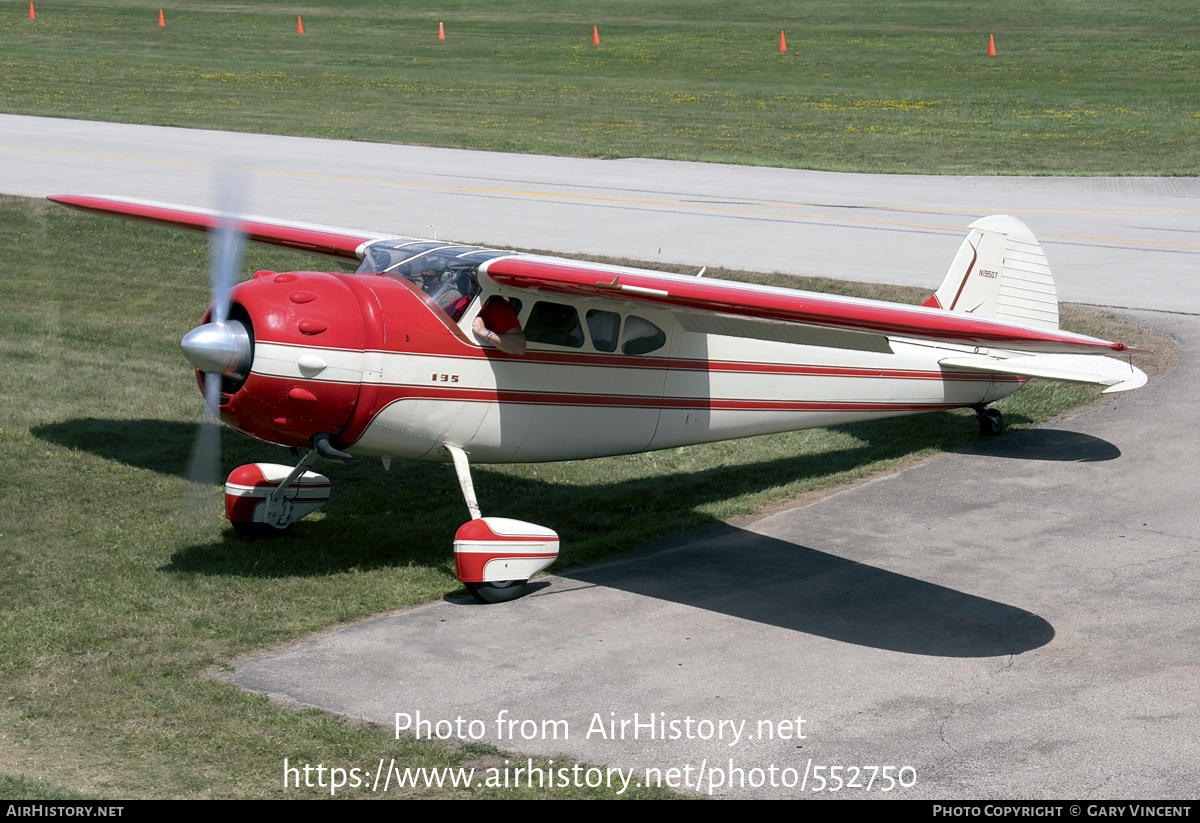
{"x": 85, "y": 202}
{"x": 1124, "y": 349}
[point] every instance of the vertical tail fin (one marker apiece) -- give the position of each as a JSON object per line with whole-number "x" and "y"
{"x": 1000, "y": 271}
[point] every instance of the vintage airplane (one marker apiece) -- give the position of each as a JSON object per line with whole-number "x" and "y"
{"x": 614, "y": 361}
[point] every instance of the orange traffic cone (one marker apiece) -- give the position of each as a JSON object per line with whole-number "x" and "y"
{"x": 441, "y": 32}
{"x": 299, "y": 24}
{"x": 595, "y": 36}
{"x": 162, "y": 24}
{"x": 991, "y": 45}
{"x": 32, "y": 13}
{"x": 782, "y": 42}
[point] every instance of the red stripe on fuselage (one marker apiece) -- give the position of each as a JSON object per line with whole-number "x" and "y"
{"x": 642, "y": 401}
{"x": 588, "y": 360}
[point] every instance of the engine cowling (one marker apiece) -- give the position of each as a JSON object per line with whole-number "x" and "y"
{"x": 293, "y": 392}
{"x": 313, "y": 359}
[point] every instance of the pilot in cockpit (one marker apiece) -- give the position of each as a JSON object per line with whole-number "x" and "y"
{"x": 441, "y": 290}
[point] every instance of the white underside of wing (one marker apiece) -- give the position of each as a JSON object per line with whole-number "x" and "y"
{"x": 1116, "y": 375}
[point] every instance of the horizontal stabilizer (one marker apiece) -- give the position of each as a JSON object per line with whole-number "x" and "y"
{"x": 1117, "y": 375}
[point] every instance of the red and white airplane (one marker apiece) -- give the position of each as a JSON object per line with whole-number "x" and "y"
{"x": 382, "y": 363}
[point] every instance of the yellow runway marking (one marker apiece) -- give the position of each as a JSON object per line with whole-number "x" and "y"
{"x": 688, "y": 205}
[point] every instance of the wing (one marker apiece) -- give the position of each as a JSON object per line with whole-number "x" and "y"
{"x": 325, "y": 240}
{"x": 820, "y": 314}
{"x": 717, "y": 306}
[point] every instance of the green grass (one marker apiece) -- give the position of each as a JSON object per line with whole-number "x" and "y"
{"x": 1096, "y": 88}
{"x": 114, "y": 613}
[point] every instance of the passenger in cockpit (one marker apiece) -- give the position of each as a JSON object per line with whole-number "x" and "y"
{"x": 497, "y": 325}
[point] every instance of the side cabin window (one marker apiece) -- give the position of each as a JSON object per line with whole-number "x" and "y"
{"x": 555, "y": 324}
{"x": 603, "y": 327}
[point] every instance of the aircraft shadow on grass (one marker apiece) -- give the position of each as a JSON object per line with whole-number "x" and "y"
{"x": 165, "y": 446}
{"x": 408, "y": 516}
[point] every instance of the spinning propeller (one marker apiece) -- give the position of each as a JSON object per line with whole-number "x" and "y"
{"x": 221, "y": 348}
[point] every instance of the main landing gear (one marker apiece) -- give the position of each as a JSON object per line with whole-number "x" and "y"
{"x": 495, "y": 556}
{"x": 991, "y": 421}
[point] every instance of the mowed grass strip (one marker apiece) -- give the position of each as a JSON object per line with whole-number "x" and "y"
{"x": 114, "y": 612}
{"x": 1102, "y": 88}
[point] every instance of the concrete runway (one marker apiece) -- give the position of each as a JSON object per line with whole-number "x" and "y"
{"x": 1111, "y": 241}
{"x": 1014, "y": 621}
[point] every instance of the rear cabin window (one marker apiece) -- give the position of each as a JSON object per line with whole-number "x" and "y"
{"x": 641, "y": 336}
{"x": 554, "y": 324}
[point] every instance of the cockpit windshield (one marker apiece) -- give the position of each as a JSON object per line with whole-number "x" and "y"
{"x": 445, "y": 272}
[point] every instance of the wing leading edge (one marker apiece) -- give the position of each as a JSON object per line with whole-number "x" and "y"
{"x": 326, "y": 240}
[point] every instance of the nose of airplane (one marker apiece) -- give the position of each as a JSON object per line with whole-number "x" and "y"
{"x": 220, "y": 348}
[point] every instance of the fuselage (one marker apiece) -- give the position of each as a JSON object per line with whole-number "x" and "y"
{"x": 378, "y": 365}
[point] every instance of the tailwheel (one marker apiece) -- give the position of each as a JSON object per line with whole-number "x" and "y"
{"x": 499, "y": 592}
{"x": 991, "y": 422}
